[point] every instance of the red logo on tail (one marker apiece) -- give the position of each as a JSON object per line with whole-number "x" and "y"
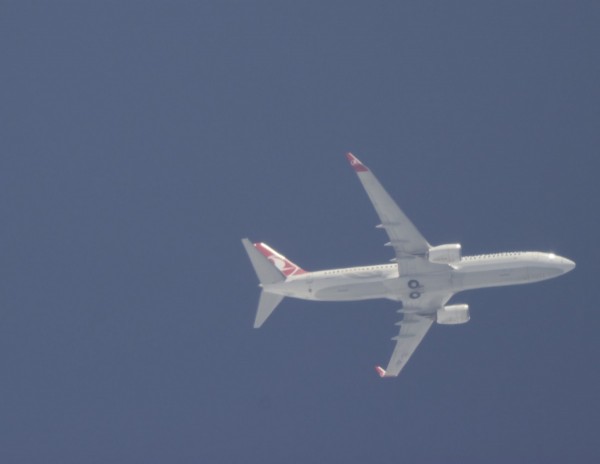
{"x": 285, "y": 266}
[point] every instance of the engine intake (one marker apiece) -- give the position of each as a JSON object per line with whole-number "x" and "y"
{"x": 453, "y": 314}
{"x": 445, "y": 254}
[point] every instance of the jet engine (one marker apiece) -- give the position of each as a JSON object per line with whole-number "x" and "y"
{"x": 453, "y": 314}
{"x": 445, "y": 254}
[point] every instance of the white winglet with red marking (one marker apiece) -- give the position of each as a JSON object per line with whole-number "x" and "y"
{"x": 380, "y": 370}
{"x": 356, "y": 163}
{"x": 284, "y": 265}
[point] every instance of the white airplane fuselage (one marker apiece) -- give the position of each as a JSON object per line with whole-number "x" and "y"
{"x": 383, "y": 281}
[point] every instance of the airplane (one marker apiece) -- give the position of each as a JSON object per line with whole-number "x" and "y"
{"x": 421, "y": 277}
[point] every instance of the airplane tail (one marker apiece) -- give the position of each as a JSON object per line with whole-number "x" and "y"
{"x": 284, "y": 265}
{"x": 266, "y": 305}
{"x": 271, "y": 267}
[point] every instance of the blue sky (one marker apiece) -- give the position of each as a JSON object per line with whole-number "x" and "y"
{"x": 142, "y": 140}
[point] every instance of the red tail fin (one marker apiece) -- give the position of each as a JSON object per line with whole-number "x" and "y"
{"x": 284, "y": 265}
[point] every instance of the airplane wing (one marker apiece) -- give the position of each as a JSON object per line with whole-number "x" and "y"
{"x": 404, "y": 236}
{"x": 412, "y": 330}
{"x": 417, "y": 321}
{"x": 411, "y": 250}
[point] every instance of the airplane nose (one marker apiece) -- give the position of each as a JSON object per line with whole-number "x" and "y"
{"x": 567, "y": 265}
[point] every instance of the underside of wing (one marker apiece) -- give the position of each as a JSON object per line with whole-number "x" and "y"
{"x": 404, "y": 236}
{"x": 417, "y": 320}
{"x": 412, "y": 330}
{"x": 409, "y": 245}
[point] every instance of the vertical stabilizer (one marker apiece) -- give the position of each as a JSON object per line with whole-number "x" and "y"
{"x": 285, "y": 266}
{"x": 265, "y": 270}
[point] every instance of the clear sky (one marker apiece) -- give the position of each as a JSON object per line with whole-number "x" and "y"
{"x": 140, "y": 140}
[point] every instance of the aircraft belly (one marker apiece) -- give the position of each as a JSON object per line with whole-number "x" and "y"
{"x": 351, "y": 292}
{"x": 537, "y": 273}
{"x": 494, "y": 278}
{"x": 432, "y": 283}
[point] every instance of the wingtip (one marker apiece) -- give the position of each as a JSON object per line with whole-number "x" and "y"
{"x": 380, "y": 370}
{"x": 356, "y": 163}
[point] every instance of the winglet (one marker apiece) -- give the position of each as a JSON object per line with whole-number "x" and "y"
{"x": 380, "y": 370}
{"x": 356, "y": 163}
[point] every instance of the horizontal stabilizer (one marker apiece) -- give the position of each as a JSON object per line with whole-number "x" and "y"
{"x": 267, "y": 303}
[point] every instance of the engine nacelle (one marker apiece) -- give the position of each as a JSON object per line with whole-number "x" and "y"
{"x": 445, "y": 254}
{"x": 453, "y": 314}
